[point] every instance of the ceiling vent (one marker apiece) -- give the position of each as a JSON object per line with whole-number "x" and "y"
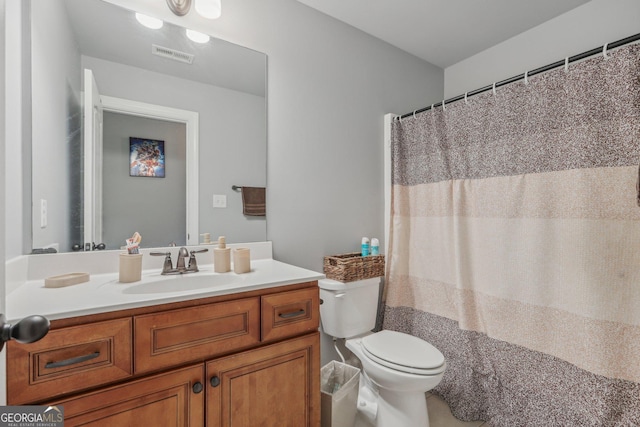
{"x": 176, "y": 55}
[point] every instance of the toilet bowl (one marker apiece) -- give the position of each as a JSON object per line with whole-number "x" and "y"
{"x": 401, "y": 367}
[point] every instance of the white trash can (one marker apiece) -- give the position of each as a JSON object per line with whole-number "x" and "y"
{"x": 339, "y": 394}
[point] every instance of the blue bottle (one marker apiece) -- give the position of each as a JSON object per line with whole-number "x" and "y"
{"x": 365, "y": 246}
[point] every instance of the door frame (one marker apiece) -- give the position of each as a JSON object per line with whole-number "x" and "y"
{"x": 92, "y": 146}
{"x": 190, "y": 120}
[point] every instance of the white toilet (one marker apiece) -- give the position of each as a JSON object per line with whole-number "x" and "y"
{"x": 401, "y": 367}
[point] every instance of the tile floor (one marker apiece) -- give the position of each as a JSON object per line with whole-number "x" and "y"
{"x": 440, "y": 415}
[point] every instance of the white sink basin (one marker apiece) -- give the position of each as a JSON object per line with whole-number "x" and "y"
{"x": 183, "y": 282}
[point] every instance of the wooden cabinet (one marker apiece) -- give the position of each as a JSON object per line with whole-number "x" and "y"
{"x": 250, "y": 359}
{"x": 277, "y": 385}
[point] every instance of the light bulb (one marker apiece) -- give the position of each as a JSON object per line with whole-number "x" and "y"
{"x": 149, "y": 22}
{"x": 210, "y": 9}
{"x": 197, "y": 37}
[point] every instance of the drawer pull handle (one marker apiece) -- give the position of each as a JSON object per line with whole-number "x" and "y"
{"x": 72, "y": 361}
{"x": 300, "y": 312}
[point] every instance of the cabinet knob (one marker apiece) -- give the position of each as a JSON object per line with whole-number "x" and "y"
{"x": 215, "y": 381}
{"x": 197, "y": 387}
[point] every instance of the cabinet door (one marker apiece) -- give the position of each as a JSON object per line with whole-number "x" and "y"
{"x": 277, "y": 385}
{"x": 175, "y": 399}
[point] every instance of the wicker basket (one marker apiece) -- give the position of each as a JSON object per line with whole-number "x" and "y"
{"x": 352, "y": 266}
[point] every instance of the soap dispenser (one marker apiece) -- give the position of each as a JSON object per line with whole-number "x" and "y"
{"x": 221, "y": 256}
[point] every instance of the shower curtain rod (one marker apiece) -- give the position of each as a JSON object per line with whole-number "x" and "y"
{"x": 558, "y": 64}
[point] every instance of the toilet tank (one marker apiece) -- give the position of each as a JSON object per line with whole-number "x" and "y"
{"x": 348, "y": 309}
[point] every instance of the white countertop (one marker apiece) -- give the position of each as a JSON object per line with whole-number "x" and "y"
{"x": 103, "y": 293}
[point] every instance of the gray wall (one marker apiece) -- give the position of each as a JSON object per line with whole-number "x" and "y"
{"x": 155, "y": 207}
{"x": 581, "y": 29}
{"x": 232, "y": 146}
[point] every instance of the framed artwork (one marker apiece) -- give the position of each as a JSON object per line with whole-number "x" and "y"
{"x": 146, "y": 157}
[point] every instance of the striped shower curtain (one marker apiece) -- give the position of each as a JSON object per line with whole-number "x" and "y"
{"x": 515, "y": 246}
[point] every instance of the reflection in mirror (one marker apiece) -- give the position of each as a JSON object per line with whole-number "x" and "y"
{"x": 205, "y": 101}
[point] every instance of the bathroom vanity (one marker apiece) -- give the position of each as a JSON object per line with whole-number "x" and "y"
{"x": 246, "y": 354}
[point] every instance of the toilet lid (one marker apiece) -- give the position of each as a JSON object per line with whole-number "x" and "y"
{"x": 403, "y": 352}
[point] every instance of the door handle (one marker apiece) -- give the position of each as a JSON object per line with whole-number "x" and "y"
{"x": 30, "y": 329}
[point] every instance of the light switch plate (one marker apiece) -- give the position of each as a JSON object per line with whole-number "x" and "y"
{"x": 219, "y": 201}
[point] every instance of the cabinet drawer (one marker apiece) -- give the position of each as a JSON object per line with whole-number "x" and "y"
{"x": 68, "y": 360}
{"x": 179, "y": 336}
{"x": 290, "y": 313}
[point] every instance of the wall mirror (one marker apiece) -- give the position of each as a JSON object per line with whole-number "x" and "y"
{"x": 101, "y": 79}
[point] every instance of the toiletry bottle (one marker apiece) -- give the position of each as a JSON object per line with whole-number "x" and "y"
{"x": 365, "y": 246}
{"x": 375, "y": 246}
{"x": 221, "y": 256}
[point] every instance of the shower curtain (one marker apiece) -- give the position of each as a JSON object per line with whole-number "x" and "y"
{"x": 515, "y": 246}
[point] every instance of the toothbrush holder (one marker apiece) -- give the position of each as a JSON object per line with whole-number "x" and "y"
{"x": 241, "y": 260}
{"x": 130, "y": 268}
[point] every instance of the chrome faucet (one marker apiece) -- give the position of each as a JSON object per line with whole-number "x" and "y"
{"x": 167, "y": 266}
{"x": 182, "y": 254}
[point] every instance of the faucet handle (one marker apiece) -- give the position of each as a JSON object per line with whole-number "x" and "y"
{"x": 161, "y": 254}
{"x": 193, "y": 263}
{"x": 168, "y": 265}
{"x": 199, "y": 251}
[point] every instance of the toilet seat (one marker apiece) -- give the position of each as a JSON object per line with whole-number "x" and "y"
{"x": 403, "y": 352}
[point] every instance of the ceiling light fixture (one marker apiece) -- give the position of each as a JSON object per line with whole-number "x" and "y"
{"x": 197, "y": 37}
{"x": 149, "y": 22}
{"x": 210, "y": 9}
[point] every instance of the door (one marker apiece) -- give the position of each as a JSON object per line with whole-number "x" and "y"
{"x": 93, "y": 122}
{"x": 276, "y": 385}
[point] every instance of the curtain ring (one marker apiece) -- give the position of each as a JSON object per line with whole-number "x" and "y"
{"x": 465, "y": 98}
{"x": 566, "y": 64}
{"x": 494, "y": 88}
{"x": 604, "y": 51}
{"x": 414, "y": 114}
{"x": 432, "y": 109}
{"x": 443, "y": 107}
{"x": 526, "y": 77}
